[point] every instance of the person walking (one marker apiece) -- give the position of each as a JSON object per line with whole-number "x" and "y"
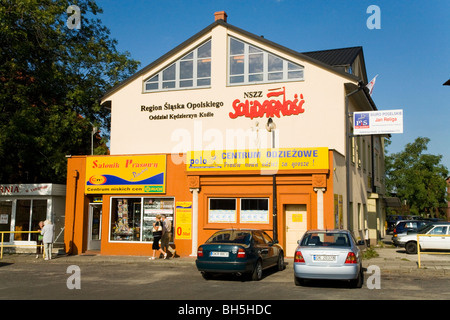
{"x": 157, "y": 233}
{"x": 48, "y": 232}
{"x": 166, "y": 233}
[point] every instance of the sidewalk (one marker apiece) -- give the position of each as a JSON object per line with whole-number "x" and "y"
{"x": 396, "y": 260}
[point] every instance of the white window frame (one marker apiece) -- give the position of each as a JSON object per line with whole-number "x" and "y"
{"x": 195, "y": 59}
{"x": 265, "y": 72}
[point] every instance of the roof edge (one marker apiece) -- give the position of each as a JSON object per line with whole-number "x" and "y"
{"x": 238, "y": 30}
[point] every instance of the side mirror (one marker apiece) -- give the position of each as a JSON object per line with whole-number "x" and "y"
{"x": 273, "y": 242}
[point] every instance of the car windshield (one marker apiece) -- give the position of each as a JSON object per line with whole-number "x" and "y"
{"x": 324, "y": 239}
{"x": 425, "y": 228}
{"x": 231, "y": 236}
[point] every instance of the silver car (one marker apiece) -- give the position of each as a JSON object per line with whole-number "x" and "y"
{"x": 328, "y": 254}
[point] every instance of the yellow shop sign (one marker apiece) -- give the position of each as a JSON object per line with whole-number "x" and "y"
{"x": 126, "y": 174}
{"x": 262, "y": 160}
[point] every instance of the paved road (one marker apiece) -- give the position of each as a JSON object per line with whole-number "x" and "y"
{"x": 137, "y": 278}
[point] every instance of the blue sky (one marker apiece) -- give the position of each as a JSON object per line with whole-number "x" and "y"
{"x": 410, "y": 52}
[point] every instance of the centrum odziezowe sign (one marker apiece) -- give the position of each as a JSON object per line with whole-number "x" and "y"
{"x": 258, "y": 159}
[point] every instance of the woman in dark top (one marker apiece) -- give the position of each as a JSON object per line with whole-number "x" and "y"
{"x": 157, "y": 234}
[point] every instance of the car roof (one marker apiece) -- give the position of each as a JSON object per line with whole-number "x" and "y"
{"x": 329, "y": 230}
{"x": 239, "y": 229}
{"x": 445, "y": 223}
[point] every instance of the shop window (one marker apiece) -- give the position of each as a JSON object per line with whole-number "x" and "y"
{"x": 132, "y": 218}
{"x": 28, "y": 215}
{"x": 222, "y": 210}
{"x": 254, "y": 210}
{"x": 5, "y": 218}
{"x": 191, "y": 71}
{"x": 251, "y": 210}
{"x": 250, "y": 64}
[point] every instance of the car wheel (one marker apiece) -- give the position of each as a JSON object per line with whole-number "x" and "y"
{"x": 206, "y": 275}
{"x": 257, "y": 272}
{"x": 280, "y": 262}
{"x": 299, "y": 281}
{"x": 411, "y": 247}
{"x": 358, "y": 282}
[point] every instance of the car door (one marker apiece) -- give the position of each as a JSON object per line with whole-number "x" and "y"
{"x": 261, "y": 247}
{"x": 435, "y": 238}
{"x": 273, "y": 249}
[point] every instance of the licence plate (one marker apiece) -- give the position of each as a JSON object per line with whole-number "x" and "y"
{"x": 219, "y": 254}
{"x": 324, "y": 258}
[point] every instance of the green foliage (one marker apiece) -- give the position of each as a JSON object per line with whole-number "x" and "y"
{"x": 51, "y": 80}
{"x": 418, "y": 178}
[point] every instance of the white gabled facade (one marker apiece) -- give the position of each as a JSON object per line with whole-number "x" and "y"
{"x": 308, "y": 112}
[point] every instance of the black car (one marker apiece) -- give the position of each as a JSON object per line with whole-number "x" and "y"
{"x": 239, "y": 251}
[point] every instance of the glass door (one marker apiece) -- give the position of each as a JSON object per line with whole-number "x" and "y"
{"x": 95, "y": 226}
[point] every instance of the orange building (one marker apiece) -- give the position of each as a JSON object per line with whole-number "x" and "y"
{"x": 230, "y": 130}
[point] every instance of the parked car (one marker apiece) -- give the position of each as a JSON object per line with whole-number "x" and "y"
{"x": 409, "y": 241}
{"x": 328, "y": 254}
{"x": 239, "y": 251}
{"x": 392, "y": 221}
{"x": 403, "y": 226}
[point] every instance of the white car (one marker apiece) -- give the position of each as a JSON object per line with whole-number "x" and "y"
{"x": 432, "y": 240}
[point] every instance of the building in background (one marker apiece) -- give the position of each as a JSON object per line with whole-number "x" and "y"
{"x": 23, "y": 206}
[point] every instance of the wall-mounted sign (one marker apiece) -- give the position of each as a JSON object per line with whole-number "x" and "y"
{"x": 258, "y": 160}
{"x": 378, "y": 122}
{"x": 183, "y": 220}
{"x": 275, "y": 105}
{"x": 254, "y": 104}
{"x": 38, "y": 189}
{"x": 126, "y": 174}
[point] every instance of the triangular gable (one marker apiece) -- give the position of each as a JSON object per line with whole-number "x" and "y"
{"x": 203, "y": 33}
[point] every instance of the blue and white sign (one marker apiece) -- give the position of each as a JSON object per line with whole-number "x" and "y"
{"x": 378, "y": 122}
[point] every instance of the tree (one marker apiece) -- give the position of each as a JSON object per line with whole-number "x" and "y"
{"x": 418, "y": 178}
{"x": 51, "y": 79}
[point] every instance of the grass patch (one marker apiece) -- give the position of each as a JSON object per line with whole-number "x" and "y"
{"x": 369, "y": 253}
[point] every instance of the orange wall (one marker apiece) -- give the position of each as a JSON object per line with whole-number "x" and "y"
{"x": 75, "y": 219}
{"x": 177, "y": 187}
{"x": 292, "y": 188}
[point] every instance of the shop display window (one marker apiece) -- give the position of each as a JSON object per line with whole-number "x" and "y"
{"x": 28, "y": 215}
{"x": 132, "y": 218}
{"x": 249, "y": 210}
{"x": 5, "y": 218}
{"x": 222, "y": 210}
{"x": 254, "y": 210}
{"x": 249, "y": 64}
{"x": 191, "y": 71}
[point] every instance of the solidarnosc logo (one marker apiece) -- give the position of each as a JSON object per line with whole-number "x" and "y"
{"x": 362, "y": 121}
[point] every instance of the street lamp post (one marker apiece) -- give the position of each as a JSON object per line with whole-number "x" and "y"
{"x": 94, "y": 131}
{"x": 270, "y": 126}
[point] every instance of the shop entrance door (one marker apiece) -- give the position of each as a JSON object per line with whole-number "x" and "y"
{"x": 296, "y": 226}
{"x": 95, "y": 226}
